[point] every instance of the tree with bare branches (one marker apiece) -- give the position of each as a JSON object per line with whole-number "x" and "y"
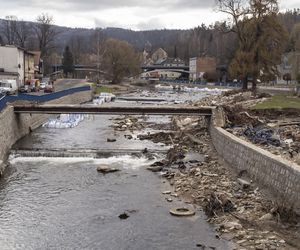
{"x": 9, "y": 29}
{"x": 120, "y": 60}
{"x": 45, "y": 33}
{"x": 261, "y": 37}
{"x": 22, "y": 33}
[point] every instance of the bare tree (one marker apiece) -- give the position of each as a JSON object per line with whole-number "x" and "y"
{"x": 120, "y": 60}
{"x": 9, "y": 29}
{"x": 22, "y": 32}
{"x": 45, "y": 33}
{"x": 261, "y": 37}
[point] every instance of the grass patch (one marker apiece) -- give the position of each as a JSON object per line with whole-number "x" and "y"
{"x": 98, "y": 89}
{"x": 279, "y": 102}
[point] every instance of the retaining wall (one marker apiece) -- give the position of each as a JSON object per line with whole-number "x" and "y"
{"x": 276, "y": 174}
{"x": 15, "y": 126}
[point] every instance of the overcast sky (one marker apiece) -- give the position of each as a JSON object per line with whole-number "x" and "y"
{"x": 132, "y": 14}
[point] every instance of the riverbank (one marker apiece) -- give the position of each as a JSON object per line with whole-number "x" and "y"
{"x": 241, "y": 209}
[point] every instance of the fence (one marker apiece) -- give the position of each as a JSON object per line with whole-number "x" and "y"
{"x": 40, "y": 98}
{"x": 203, "y": 83}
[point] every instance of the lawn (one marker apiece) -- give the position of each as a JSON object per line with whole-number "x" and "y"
{"x": 98, "y": 90}
{"x": 279, "y": 102}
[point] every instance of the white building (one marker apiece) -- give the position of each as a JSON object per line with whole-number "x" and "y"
{"x": 12, "y": 63}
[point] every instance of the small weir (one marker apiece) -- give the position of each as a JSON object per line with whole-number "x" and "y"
{"x": 85, "y": 153}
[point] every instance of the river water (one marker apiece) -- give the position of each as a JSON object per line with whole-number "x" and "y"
{"x": 64, "y": 203}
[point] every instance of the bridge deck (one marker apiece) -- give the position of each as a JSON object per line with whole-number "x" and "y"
{"x": 113, "y": 110}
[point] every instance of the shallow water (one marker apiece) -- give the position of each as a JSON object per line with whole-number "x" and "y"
{"x": 67, "y": 204}
{"x": 64, "y": 203}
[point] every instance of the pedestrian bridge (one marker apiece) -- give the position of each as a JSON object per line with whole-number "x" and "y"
{"x": 112, "y": 110}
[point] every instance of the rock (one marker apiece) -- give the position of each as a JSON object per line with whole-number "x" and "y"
{"x": 111, "y": 140}
{"x": 124, "y": 216}
{"x": 167, "y": 192}
{"x": 156, "y": 166}
{"x": 244, "y": 184}
{"x": 297, "y": 160}
{"x": 232, "y": 225}
{"x": 209, "y": 174}
{"x": 129, "y": 137}
{"x": 106, "y": 169}
{"x": 169, "y": 200}
{"x": 202, "y": 246}
{"x": 241, "y": 242}
{"x": 266, "y": 217}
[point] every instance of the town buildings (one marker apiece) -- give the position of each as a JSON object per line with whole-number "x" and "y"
{"x": 16, "y": 64}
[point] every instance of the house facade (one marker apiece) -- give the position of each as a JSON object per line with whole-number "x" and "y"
{"x": 12, "y": 64}
{"x": 16, "y": 64}
{"x": 202, "y": 65}
{"x": 290, "y": 65}
{"x": 29, "y": 69}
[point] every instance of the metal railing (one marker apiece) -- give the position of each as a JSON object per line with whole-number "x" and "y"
{"x": 40, "y": 98}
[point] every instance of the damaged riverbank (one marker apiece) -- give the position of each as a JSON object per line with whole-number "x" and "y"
{"x": 240, "y": 208}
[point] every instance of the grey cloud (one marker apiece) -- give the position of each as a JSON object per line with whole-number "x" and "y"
{"x": 153, "y": 23}
{"x": 91, "y": 5}
{"x": 100, "y": 23}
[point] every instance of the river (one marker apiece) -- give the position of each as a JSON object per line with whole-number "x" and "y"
{"x": 64, "y": 203}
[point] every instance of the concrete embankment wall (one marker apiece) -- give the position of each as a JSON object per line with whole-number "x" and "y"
{"x": 274, "y": 173}
{"x": 15, "y": 126}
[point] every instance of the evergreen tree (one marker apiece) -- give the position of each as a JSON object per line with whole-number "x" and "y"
{"x": 68, "y": 62}
{"x": 175, "y": 52}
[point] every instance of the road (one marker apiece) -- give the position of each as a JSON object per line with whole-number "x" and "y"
{"x": 62, "y": 84}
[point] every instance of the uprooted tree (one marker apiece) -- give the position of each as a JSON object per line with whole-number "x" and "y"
{"x": 262, "y": 38}
{"x": 120, "y": 60}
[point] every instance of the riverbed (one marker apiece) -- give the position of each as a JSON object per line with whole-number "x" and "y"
{"x": 64, "y": 203}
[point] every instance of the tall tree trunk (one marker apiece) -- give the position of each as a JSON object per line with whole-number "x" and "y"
{"x": 254, "y": 85}
{"x": 245, "y": 83}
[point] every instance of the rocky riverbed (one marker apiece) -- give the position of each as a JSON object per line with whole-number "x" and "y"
{"x": 240, "y": 210}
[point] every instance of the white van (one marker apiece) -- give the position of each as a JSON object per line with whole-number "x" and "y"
{"x": 8, "y": 87}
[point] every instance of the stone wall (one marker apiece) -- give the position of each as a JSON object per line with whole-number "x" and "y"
{"x": 15, "y": 126}
{"x": 274, "y": 173}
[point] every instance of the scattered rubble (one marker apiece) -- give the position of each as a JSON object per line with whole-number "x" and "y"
{"x": 240, "y": 210}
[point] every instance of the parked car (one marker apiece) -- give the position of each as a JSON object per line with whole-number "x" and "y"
{"x": 49, "y": 88}
{"x": 43, "y": 85}
{"x": 24, "y": 89}
{"x": 8, "y": 87}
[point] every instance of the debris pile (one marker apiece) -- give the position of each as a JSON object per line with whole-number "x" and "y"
{"x": 129, "y": 123}
{"x": 239, "y": 209}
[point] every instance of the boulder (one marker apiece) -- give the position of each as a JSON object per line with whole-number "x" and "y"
{"x": 106, "y": 169}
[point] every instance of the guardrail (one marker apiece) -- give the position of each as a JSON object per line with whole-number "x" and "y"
{"x": 41, "y": 98}
{"x": 84, "y": 109}
{"x": 217, "y": 84}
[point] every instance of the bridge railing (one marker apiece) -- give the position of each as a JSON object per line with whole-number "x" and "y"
{"x": 40, "y": 98}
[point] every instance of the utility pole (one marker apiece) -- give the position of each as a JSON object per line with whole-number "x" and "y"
{"x": 98, "y": 56}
